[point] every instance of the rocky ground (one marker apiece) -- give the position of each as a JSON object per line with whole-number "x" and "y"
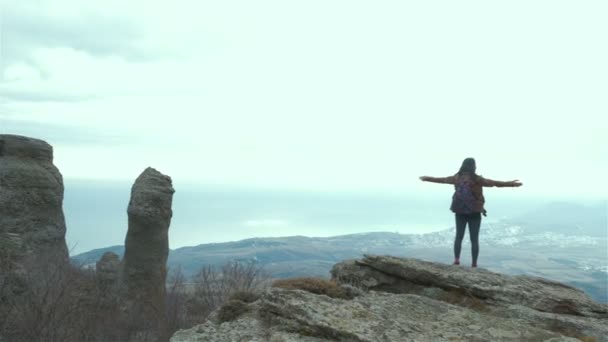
{"x": 411, "y": 300}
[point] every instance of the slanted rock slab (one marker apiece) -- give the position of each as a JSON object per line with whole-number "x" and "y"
{"x": 537, "y": 293}
{"x": 414, "y": 300}
{"x": 541, "y": 302}
{"x": 295, "y": 315}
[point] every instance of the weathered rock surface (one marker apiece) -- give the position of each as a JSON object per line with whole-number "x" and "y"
{"x": 31, "y": 200}
{"x": 401, "y": 275}
{"x": 294, "y": 315}
{"x": 107, "y": 271}
{"x": 147, "y": 248}
{"x": 540, "y": 302}
{"x": 412, "y": 300}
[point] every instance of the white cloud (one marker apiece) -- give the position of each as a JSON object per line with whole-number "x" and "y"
{"x": 327, "y": 95}
{"x": 21, "y": 72}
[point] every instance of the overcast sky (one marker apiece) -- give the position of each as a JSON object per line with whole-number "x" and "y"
{"x": 313, "y": 94}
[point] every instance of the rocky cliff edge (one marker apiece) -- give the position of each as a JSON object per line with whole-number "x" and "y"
{"x": 399, "y": 299}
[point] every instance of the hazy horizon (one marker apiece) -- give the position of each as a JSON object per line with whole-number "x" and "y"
{"x": 96, "y": 214}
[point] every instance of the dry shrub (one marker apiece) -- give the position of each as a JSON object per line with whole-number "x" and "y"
{"x": 67, "y": 303}
{"x": 588, "y": 339}
{"x": 314, "y": 285}
{"x": 237, "y": 305}
{"x": 191, "y": 303}
{"x": 245, "y": 296}
{"x": 49, "y": 305}
{"x": 213, "y": 286}
{"x": 176, "y": 300}
{"x": 231, "y": 310}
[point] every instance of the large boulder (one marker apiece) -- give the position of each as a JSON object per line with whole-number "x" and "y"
{"x": 402, "y": 275}
{"x": 31, "y": 200}
{"x": 536, "y": 301}
{"x": 295, "y": 315}
{"x": 412, "y": 300}
{"x": 146, "y": 250}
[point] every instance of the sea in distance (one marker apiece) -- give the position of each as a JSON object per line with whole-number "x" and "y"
{"x": 96, "y": 213}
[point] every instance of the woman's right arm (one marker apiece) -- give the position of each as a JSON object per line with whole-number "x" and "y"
{"x": 442, "y": 180}
{"x": 500, "y": 184}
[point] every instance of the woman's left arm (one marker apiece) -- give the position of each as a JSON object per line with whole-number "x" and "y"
{"x": 442, "y": 180}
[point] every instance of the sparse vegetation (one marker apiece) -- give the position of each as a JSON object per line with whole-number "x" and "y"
{"x": 314, "y": 285}
{"x": 237, "y": 304}
{"x": 245, "y": 296}
{"x": 57, "y": 303}
{"x": 176, "y": 303}
{"x": 189, "y": 303}
{"x": 214, "y": 286}
{"x": 65, "y": 303}
{"x": 231, "y": 310}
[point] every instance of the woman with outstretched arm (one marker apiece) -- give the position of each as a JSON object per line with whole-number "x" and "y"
{"x": 468, "y": 203}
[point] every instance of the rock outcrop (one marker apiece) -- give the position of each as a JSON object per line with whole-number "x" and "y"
{"x": 146, "y": 250}
{"x": 107, "y": 271}
{"x": 399, "y": 275}
{"x": 31, "y": 200}
{"x": 535, "y": 301}
{"x": 33, "y": 251}
{"x": 37, "y": 282}
{"x": 413, "y": 300}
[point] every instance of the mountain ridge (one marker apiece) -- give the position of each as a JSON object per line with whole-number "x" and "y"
{"x": 506, "y": 247}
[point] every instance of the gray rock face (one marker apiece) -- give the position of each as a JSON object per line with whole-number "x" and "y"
{"x": 412, "y": 300}
{"x": 147, "y": 248}
{"x": 400, "y": 275}
{"x": 107, "y": 270}
{"x": 294, "y": 315}
{"x": 31, "y": 199}
{"x": 537, "y": 302}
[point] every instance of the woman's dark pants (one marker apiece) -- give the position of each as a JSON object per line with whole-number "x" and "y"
{"x": 474, "y": 222}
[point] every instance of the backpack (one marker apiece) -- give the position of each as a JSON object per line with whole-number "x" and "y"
{"x": 463, "y": 201}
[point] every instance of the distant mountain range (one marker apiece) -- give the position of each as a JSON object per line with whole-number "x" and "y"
{"x": 561, "y": 242}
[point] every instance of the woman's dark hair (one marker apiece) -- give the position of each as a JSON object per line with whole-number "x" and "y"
{"x": 468, "y": 166}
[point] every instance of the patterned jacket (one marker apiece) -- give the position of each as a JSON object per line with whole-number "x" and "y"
{"x": 477, "y": 189}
